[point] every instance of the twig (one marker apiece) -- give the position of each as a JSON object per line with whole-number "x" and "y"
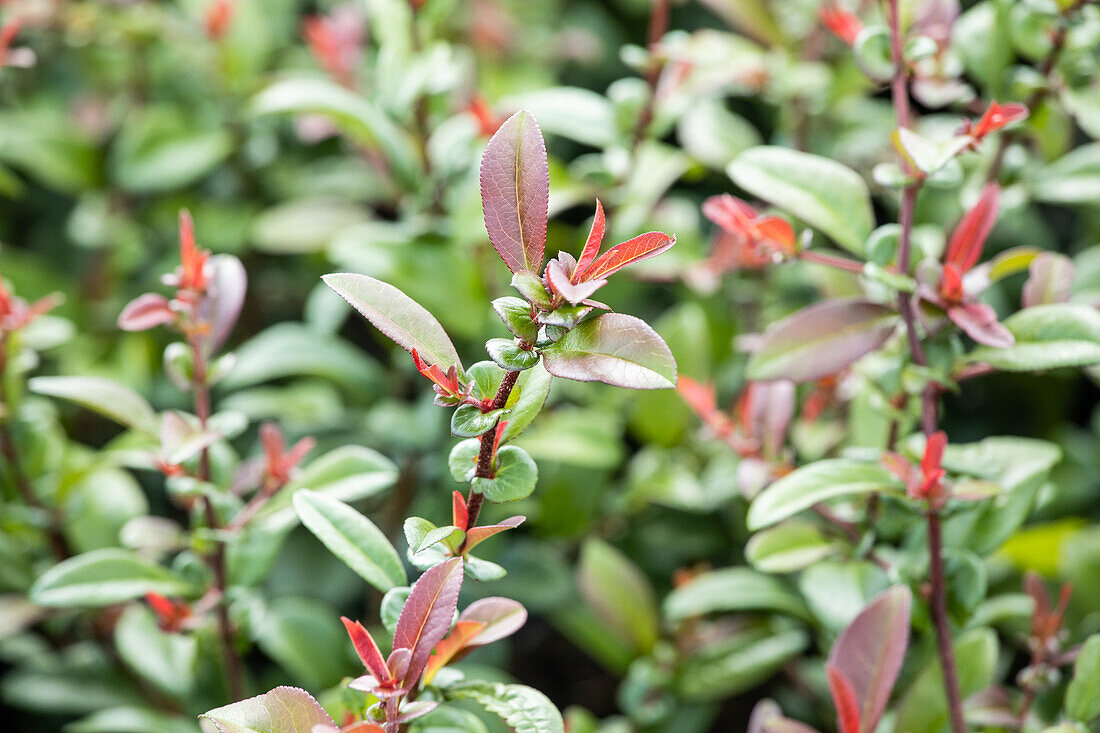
{"x": 485, "y": 454}
{"x": 938, "y": 599}
{"x": 658, "y": 26}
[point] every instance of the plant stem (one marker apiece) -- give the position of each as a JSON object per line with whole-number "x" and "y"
{"x": 821, "y": 258}
{"x": 58, "y": 545}
{"x": 658, "y": 26}
{"x": 485, "y": 455}
{"x": 216, "y": 560}
{"x": 938, "y": 599}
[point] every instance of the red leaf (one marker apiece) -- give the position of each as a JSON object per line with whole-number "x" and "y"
{"x": 478, "y": 535}
{"x": 965, "y": 248}
{"x": 633, "y": 250}
{"x": 502, "y": 618}
{"x": 367, "y": 650}
{"x": 459, "y": 516}
{"x": 980, "y": 323}
{"x": 564, "y": 285}
{"x": 997, "y": 117}
{"x": 515, "y": 192}
{"x": 844, "y": 24}
{"x": 870, "y": 651}
{"x": 777, "y": 231}
{"x": 844, "y": 699}
{"x": 592, "y": 245}
{"x": 145, "y": 312}
{"x": 451, "y": 646}
{"x": 426, "y": 617}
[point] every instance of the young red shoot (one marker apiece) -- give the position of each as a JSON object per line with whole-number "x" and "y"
{"x": 280, "y": 463}
{"x": 769, "y": 236}
{"x": 996, "y": 117}
{"x": 843, "y": 23}
{"x": 219, "y": 17}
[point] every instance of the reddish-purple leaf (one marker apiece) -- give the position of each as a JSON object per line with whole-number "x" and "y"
{"x": 1049, "y": 280}
{"x": 562, "y": 284}
{"x": 515, "y": 192}
{"x": 844, "y": 700}
{"x": 967, "y": 241}
{"x": 226, "y": 296}
{"x": 502, "y": 618}
{"x": 615, "y": 349}
{"x": 144, "y": 312}
{"x": 367, "y": 650}
{"x": 592, "y": 245}
{"x": 979, "y": 320}
{"x": 642, "y": 247}
{"x": 478, "y": 535}
{"x": 870, "y": 651}
{"x": 426, "y": 617}
{"x": 821, "y": 340}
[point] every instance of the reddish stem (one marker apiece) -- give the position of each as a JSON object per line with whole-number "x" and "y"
{"x": 938, "y": 599}
{"x": 486, "y": 455}
{"x": 821, "y": 258}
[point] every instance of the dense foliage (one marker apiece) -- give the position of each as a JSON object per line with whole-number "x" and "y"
{"x": 303, "y": 304}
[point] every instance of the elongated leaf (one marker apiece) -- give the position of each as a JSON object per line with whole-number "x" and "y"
{"x": 526, "y": 400}
{"x": 501, "y": 617}
{"x": 1049, "y": 280}
{"x": 351, "y": 537}
{"x": 1047, "y": 337}
{"x": 733, "y": 665}
{"x": 732, "y": 589}
{"x": 816, "y": 482}
{"x": 109, "y": 398}
{"x": 788, "y": 547}
{"x": 1072, "y": 179}
{"x": 615, "y": 349}
{"x": 282, "y": 710}
{"x": 968, "y": 239}
{"x": 398, "y": 316}
{"x": 523, "y": 709}
{"x": 923, "y": 708}
{"x": 103, "y": 577}
{"x": 821, "y": 340}
{"x": 870, "y": 651}
{"x": 426, "y": 617}
{"x": 165, "y": 659}
{"x": 515, "y": 192}
{"x": 641, "y": 247}
{"x": 819, "y": 191}
{"x": 1083, "y": 693}
{"x": 355, "y": 115}
{"x": 619, "y": 593}
{"x": 592, "y": 244}
{"x": 348, "y": 473}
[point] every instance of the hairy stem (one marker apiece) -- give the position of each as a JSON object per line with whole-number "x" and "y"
{"x": 216, "y": 559}
{"x": 938, "y": 600}
{"x": 485, "y": 455}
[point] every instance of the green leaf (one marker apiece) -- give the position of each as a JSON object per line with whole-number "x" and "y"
{"x": 509, "y": 356}
{"x": 348, "y": 473}
{"x": 103, "y": 577}
{"x": 1072, "y": 179}
{"x": 398, "y": 316}
{"x": 131, "y": 720}
{"x": 515, "y": 477}
{"x": 304, "y": 636}
{"x": 821, "y": 192}
{"x": 165, "y": 659}
{"x": 462, "y": 461}
{"x": 282, "y": 710}
{"x": 714, "y": 135}
{"x": 821, "y": 339}
{"x": 515, "y": 313}
{"x": 615, "y": 349}
{"x": 526, "y": 400}
{"x": 788, "y": 547}
{"x": 732, "y": 589}
{"x": 293, "y": 350}
{"x": 923, "y": 708}
{"x": 738, "y": 663}
{"x": 351, "y": 537}
{"x": 109, "y": 398}
{"x": 356, "y": 116}
{"x": 578, "y": 114}
{"x": 1047, "y": 337}
{"x": 816, "y": 482}
{"x": 1083, "y": 693}
{"x": 468, "y": 421}
{"x": 619, "y": 594}
{"x": 156, "y": 150}
{"x": 524, "y": 710}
